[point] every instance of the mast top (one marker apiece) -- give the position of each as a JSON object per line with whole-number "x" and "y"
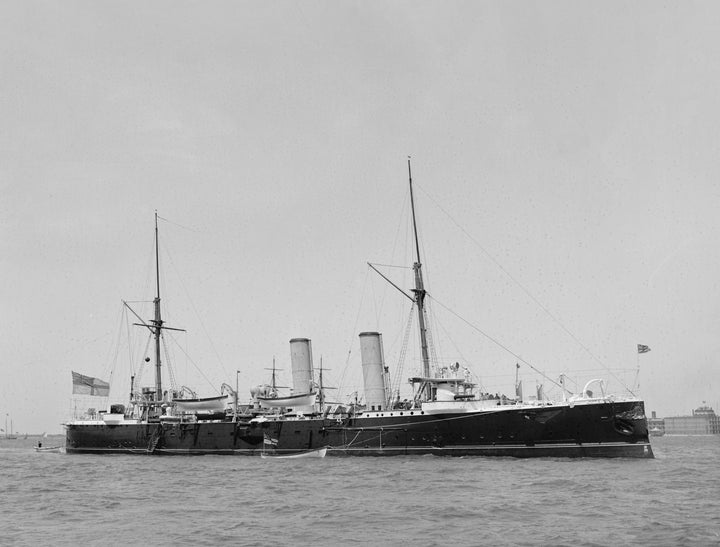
{"x": 157, "y": 258}
{"x": 412, "y": 207}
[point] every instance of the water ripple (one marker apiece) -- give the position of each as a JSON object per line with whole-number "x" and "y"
{"x": 53, "y": 499}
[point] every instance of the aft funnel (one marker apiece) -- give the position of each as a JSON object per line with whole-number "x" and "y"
{"x": 373, "y": 365}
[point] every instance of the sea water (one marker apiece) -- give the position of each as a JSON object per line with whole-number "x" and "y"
{"x": 61, "y": 499}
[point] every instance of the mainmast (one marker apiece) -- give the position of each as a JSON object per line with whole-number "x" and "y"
{"x": 419, "y": 289}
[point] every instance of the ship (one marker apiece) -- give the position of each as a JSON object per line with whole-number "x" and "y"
{"x": 163, "y": 421}
{"x": 446, "y": 415}
{"x": 656, "y": 426}
{"x": 9, "y": 435}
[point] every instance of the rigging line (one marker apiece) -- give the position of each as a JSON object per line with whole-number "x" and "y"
{"x": 395, "y": 386}
{"x": 197, "y": 314}
{"x": 449, "y": 337}
{"x": 170, "y": 366}
{"x": 390, "y": 266}
{"x": 494, "y": 341}
{"x": 116, "y": 351}
{"x": 403, "y": 218}
{"x": 113, "y": 348}
{"x": 356, "y": 436}
{"x": 429, "y": 334}
{"x": 179, "y": 225}
{"x": 522, "y": 287}
{"x": 141, "y": 369}
{"x": 197, "y": 367}
{"x": 364, "y": 440}
{"x": 623, "y": 370}
{"x": 354, "y": 330}
{"x": 389, "y": 281}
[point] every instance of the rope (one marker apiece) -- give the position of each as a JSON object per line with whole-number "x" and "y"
{"x": 395, "y": 386}
{"x": 498, "y": 343}
{"x": 192, "y": 305}
{"x": 191, "y": 361}
{"x": 528, "y": 293}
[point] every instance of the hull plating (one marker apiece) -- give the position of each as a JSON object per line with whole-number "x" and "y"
{"x": 587, "y": 430}
{"x": 154, "y": 438}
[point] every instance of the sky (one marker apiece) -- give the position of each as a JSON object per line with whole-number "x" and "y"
{"x": 564, "y": 160}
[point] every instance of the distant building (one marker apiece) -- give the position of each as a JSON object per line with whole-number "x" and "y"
{"x": 703, "y": 421}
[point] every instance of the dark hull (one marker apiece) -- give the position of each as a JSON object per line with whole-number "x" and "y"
{"x": 600, "y": 430}
{"x": 167, "y": 439}
{"x": 589, "y": 430}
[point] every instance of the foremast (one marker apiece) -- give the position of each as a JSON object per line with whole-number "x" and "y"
{"x": 157, "y": 322}
{"x": 155, "y": 326}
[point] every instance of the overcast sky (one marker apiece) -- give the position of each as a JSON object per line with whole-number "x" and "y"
{"x": 565, "y": 156}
